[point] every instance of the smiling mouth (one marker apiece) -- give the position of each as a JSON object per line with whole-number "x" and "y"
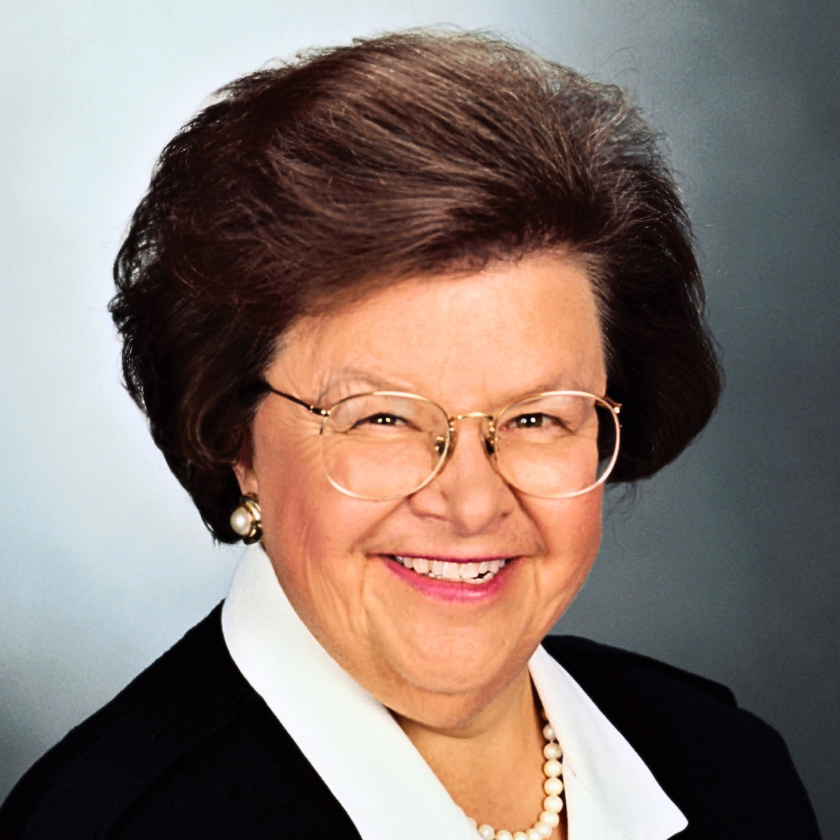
{"x": 474, "y": 573}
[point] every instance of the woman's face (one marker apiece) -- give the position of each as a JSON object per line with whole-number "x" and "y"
{"x": 470, "y": 343}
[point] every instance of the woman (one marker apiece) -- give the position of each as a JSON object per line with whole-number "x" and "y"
{"x": 384, "y": 308}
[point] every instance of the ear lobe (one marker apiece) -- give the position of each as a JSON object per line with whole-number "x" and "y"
{"x": 243, "y": 466}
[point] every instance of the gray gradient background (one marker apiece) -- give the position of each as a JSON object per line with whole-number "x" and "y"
{"x": 725, "y": 564}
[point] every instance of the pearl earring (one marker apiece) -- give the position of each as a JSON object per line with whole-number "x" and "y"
{"x": 246, "y": 520}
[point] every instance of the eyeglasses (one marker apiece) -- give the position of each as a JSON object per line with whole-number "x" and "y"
{"x": 389, "y": 444}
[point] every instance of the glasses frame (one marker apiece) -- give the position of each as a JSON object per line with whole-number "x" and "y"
{"x": 490, "y": 442}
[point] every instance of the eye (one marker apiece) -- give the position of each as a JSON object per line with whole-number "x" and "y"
{"x": 535, "y": 420}
{"x": 383, "y": 420}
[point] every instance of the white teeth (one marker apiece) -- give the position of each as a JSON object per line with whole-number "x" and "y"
{"x": 445, "y": 570}
{"x": 469, "y": 571}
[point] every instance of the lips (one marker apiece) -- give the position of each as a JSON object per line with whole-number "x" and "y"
{"x": 474, "y": 572}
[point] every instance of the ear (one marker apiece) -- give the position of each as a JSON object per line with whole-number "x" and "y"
{"x": 243, "y": 467}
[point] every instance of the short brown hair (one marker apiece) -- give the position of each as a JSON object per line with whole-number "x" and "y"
{"x": 411, "y": 153}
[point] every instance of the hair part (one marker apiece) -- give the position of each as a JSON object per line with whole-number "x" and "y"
{"x": 313, "y": 182}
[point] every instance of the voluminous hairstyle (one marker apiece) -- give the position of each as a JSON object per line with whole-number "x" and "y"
{"x": 311, "y": 182}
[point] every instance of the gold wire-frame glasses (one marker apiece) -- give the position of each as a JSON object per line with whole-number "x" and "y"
{"x": 374, "y": 445}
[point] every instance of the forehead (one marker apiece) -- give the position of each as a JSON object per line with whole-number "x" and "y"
{"x": 468, "y": 339}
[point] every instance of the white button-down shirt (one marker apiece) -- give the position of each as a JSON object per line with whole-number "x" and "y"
{"x": 373, "y": 769}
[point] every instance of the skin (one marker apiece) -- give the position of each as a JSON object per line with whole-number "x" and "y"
{"x": 454, "y": 674}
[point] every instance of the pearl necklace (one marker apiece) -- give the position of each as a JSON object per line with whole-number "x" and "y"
{"x": 552, "y": 804}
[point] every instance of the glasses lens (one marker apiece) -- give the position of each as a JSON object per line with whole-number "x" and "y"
{"x": 557, "y": 445}
{"x": 383, "y": 445}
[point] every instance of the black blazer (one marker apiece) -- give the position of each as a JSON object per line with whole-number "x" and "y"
{"x": 189, "y": 751}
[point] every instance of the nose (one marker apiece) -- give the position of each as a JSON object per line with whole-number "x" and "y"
{"x": 467, "y": 492}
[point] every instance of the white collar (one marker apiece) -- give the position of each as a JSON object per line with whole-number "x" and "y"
{"x": 373, "y": 769}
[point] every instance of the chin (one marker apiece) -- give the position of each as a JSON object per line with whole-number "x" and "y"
{"x": 454, "y": 672}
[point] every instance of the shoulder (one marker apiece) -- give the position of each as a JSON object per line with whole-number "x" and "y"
{"x": 723, "y": 766}
{"x": 187, "y": 749}
{"x": 603, "y": 666}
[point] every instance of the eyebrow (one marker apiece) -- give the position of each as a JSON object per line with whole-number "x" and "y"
{"x": 350, "y": 374}
{"x": 378, "y": 383}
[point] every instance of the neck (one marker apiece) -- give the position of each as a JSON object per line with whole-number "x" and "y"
{"x": 490, "y": 761}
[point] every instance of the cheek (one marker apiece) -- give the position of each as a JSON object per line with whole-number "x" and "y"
{"x": 287, "y": 460}
{"x": 307, "y": 535}
{"x": 312, "y": 531}
{"x": 588, "y": 523}
{"x": 289, "y": 475}
{"x": 571, "y": 530}
{"x": 578, "y": 523}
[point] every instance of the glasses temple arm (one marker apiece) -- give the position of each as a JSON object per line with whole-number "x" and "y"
{"x": 321, "y": 412}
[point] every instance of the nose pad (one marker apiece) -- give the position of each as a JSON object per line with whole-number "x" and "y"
{"x": 440, "y": 443}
